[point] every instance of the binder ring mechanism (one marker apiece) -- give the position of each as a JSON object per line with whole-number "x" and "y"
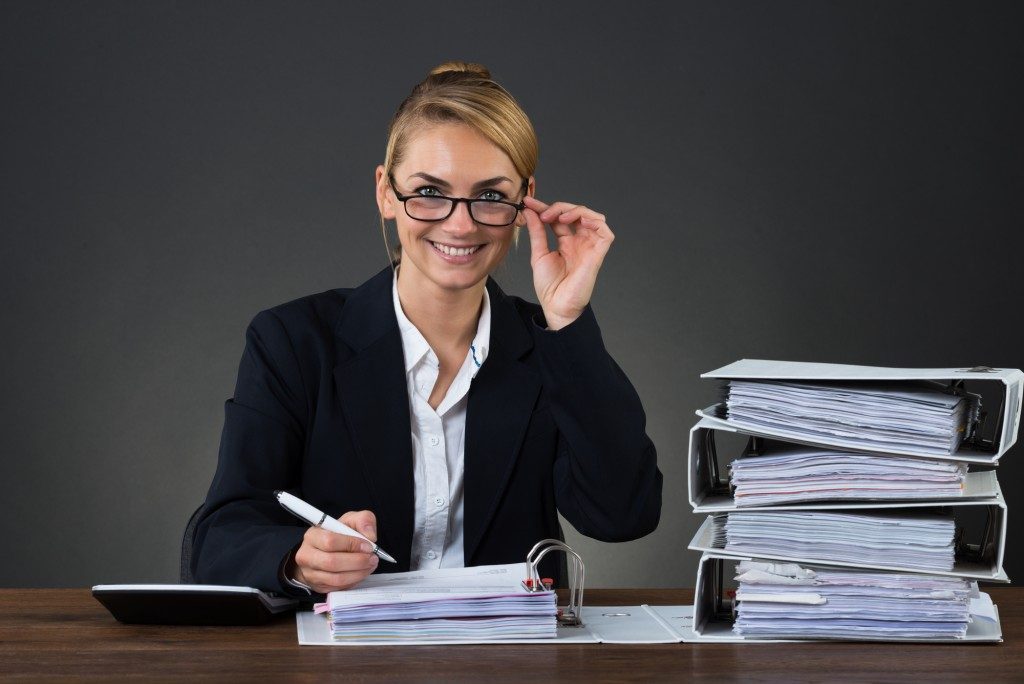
{"x": 571, "y": 615}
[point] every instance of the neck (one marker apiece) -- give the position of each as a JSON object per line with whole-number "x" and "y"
{"x": 446, "y": 318}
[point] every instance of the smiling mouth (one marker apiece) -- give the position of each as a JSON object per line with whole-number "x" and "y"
{"x": 449, "y": 250}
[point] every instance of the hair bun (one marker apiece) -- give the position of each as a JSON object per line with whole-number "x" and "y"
{"x": 464, "y": 67}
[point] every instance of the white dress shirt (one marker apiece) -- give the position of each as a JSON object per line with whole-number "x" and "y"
{"x": 438, "y": 441}
{"x": 438, "y": 444}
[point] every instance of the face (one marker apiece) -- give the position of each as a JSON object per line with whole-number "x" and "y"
{"x": 456, "y": 161}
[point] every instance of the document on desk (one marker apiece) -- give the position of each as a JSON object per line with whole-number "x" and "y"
{"x": 477, "y": 605}
{"x": 641, "y": 624}
{"x": 481, "y": 603}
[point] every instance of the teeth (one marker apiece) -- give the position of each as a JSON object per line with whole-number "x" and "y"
{"x": 454, "y": 251}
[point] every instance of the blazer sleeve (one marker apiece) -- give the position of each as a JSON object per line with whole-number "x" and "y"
{"x": 606, "y": 477}
{"x": 244, "y": 534}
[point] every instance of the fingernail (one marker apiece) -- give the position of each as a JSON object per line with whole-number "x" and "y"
{"x": 366, "y": 548}
{"x": 374, "y": 561}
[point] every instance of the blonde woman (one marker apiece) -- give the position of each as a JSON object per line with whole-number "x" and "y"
{"x": 428, "y": 409}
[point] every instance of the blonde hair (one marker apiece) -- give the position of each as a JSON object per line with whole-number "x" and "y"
{"x": 463, "y": 92}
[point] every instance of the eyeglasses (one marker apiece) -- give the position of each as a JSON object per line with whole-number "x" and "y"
{"x": 438, "y": 207}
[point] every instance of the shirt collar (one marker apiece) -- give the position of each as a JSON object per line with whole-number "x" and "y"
{"x": 415, "y": 346}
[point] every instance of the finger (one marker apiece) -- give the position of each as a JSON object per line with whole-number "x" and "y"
{"x": 325, "y": 540}
{"x": 534, "y": 203}
{"x": 326, "y": 582}
{"x": 599, "y": 227}
{"x": 364, "y": 522}
{"x": 552, "y": 212}
{"x": 579, "y": 213}
{"x": 327, "y": 561}
{"x": 538, "y": 236}
{"x": 561, "y": 229}
{"x": 541, "y": 210}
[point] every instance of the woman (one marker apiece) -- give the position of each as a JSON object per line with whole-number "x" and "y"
{"x": 439, "y": 416}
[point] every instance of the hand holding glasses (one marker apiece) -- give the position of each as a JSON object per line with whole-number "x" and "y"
{"x": 565, "y": 276}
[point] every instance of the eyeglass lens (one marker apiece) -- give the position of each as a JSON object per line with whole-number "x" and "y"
{"x": 482, "y": 211}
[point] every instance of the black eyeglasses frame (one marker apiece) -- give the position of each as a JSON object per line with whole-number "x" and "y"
{"x": 455, "y": 202}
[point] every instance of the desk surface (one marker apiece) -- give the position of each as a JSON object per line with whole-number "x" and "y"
{"x": 60, "y": 633}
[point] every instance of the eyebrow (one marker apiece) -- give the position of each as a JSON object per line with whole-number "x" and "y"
{"x": 445, "y": 184}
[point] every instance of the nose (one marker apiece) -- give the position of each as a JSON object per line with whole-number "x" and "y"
{"x": 461, "y": 221}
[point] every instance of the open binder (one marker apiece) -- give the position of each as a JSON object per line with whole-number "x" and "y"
{"x": 714, "y": 610}
{"x": 995, "y": 432}
{"x": 577, "y": 623}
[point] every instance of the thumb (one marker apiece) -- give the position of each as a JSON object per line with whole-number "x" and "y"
{"x": 364, "y": 522}
{"x": 538, "y": 235}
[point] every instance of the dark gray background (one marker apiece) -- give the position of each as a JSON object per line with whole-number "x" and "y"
{"x": 813, "y": 181}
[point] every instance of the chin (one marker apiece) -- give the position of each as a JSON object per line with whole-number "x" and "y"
{"x": 457, "y": 281}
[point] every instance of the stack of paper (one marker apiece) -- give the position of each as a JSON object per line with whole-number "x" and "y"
{"x": 872, "y": 416}
{"x": 794, "y": 474}
{"x": 783, "y": 600}
{"x": 480, "y": 603}
{"x": 868, "y": 465}
{"x": 919, "y": 542}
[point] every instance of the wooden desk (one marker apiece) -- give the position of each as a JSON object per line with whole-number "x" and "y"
{"x": 61, "y": 633}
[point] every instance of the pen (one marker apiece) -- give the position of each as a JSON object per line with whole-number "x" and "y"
{"x": 317, "y": 518}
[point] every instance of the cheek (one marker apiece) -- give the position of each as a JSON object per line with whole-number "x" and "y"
{"x": 503, "y": 244}
{"x": 408, "y": 231}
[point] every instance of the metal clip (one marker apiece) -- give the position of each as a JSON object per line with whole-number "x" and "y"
{"x": 571, "y": 615}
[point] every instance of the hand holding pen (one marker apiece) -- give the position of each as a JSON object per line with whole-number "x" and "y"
{"x": 335, "y": 554}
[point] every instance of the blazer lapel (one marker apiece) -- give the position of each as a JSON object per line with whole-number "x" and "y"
{"x": 371, "y": 388}
{"x": 501, "y": 399}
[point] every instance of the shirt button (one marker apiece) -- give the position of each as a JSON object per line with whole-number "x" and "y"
{"x": 434, "y": 441}
{"x": 431, "y": 555}
{"x": 439, "y": 500}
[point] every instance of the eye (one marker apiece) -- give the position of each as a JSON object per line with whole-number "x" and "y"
{"x": 492, "y": 195}
{"x": 428, "y": 191}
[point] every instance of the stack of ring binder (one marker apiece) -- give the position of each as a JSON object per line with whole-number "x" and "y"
{"x": 872, "y": 513}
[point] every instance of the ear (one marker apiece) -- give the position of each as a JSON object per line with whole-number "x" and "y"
{"x": 385, "y": 199}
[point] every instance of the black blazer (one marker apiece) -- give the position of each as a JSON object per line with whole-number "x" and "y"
{"x": 321, "y": 409}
